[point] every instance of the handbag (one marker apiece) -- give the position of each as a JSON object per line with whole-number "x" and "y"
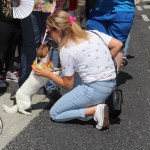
{"x": 7, "y": 7}
{"x": 115, "y": 99}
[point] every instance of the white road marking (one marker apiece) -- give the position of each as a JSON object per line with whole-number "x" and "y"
{"x": 145, "y": 0}
{"x": 145, "y": 18}
{"x": 15, "y": 123}
{"x": 139, "y": 8}
{"x": 146, "y": 6}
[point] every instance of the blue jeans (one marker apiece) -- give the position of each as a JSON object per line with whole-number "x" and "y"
{"x": 55, "y": 58}
{"x": 125, "y": 49}
{"x": 39, "y": 27}
{"x": 28, "y": 52}
{"x": 72, "y": 105}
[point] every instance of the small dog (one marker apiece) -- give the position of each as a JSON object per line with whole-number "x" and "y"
{"x": 32, "y": 84}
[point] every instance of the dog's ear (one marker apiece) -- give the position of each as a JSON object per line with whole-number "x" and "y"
{"x": 50, "y": 46}
{"x": 39, "y": 51}
{"x": 43, "y": 50}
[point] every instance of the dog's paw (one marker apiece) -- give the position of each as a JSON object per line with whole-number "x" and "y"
{"x": 25, "y": 112}
{"x": 57, "y": 73}
{"x": 29, "y": 114}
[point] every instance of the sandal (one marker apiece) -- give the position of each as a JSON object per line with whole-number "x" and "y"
{"x": 124, "y": 62}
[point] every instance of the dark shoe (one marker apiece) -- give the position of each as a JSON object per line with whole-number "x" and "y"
{"x": 13, "y": 95}
{"x": 124, "y": 62}
{"x": 53, "y": 95}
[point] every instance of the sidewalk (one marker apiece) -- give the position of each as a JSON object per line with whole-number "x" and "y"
{"x": 13, "y": 124}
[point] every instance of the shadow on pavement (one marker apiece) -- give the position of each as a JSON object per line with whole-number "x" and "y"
{"x": 115, "y": 121}
{"x": 39, "y": 105}
{"x": 123, "y": 77}
{"x": 76, "y": 121}
{"x": 130, "y": 56}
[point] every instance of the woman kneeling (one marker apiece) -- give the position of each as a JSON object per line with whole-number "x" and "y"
{"x": 86, "y": 54}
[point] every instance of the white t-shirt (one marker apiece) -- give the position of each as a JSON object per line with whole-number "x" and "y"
{"x": 91, "y": 59}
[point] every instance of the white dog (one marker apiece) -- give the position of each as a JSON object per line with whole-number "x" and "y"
{"x": 31, "y": 85}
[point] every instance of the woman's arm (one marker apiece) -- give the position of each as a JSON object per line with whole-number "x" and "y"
{"x": 115, "y": 46}
{"x": 66, "y": 82}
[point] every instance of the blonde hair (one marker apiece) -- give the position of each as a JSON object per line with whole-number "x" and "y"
{"x": 69, "y": 32}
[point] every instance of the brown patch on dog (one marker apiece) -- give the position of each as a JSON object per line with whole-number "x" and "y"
{"x": 43, "y": 50}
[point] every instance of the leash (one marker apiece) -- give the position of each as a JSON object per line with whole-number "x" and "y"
{"x": 51, "y": 64}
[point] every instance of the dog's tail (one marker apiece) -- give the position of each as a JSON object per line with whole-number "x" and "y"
{"x": 11, "y": 110}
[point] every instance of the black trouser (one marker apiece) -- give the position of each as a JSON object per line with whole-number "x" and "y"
{"x": 89, "y": 5}
{"x": 9, "y": 37}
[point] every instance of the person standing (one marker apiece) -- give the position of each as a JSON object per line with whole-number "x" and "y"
{"x": 80, "y": 11}
{"x": 33, "y": 29}
{"x": 113, "y": 17}
{"x": 10, "y": 30}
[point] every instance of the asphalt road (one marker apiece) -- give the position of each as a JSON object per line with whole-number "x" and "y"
{"x": 129, "y": 132}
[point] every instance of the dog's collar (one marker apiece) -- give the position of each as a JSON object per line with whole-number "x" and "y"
{"x": 49, "y": 65}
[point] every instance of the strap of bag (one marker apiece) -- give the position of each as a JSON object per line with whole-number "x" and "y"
{"x": 115, "y": 64}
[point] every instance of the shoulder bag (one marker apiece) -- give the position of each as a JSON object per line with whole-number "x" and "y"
{"x": 115, "y": 100}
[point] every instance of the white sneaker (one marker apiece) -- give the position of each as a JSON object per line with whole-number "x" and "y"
{"x": 12, "y": 76}
{"x": 101, "y": 116}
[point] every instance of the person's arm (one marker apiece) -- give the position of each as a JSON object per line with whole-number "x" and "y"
{"x": 66, "y": 82}
{"x": 115, "y": 46}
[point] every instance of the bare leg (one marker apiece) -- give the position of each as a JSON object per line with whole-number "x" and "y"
{"x": 90, "y": 111}
{"x": 119, "y": 58}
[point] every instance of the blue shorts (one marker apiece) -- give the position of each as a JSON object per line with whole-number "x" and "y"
{"x": 115, "y": 24}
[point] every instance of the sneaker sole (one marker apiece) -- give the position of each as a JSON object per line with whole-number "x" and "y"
{"x": 105, "y": 115}
{"x": 106, "y": 122}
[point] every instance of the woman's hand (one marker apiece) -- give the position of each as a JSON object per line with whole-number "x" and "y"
{"x": 42, "y": 70}
{"x": 65, "y": 82}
